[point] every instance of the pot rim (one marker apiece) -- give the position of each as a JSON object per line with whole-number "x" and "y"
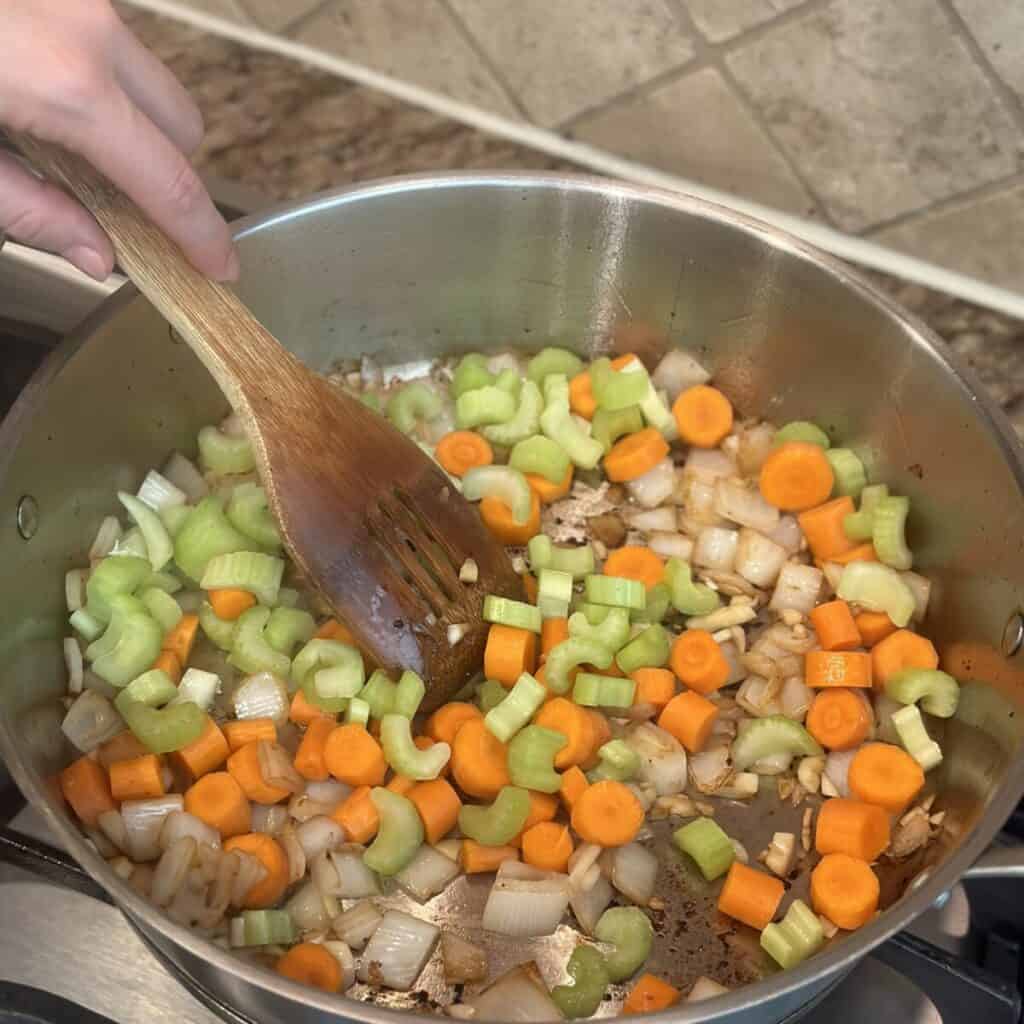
{"x": 828, "y": 963}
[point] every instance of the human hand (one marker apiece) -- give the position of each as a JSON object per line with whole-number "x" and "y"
{"x": 74, "y": 75}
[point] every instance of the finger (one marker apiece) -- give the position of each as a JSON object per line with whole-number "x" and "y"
{"x": 41, "y": 215}
{"x": 156, "y": 92}
{"x": 137, "y": 157}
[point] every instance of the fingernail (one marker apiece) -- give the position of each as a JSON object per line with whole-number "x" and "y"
{"x": 89, "y": 261}
{"x": 232, "y": 268}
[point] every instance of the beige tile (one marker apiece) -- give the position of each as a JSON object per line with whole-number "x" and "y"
{"x": 980, "y": 237}
{"x": 695, "y": 127}
{"x": 566, "y": 57}
{"x": 720, "y": 20}
{"x": 880, "y": 105}
{"x": 998, "y": 26}
{"x": 414, "y": 40}
{"x": 229, "y": 9}
{"x": 279, "y": 14}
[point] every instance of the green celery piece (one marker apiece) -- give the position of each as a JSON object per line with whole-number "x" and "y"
{"x": 248, "y": 511}
{"x": 937, "y": 692}
{"x": 130, "y": 643}
{"x": 914, "y": 736}
{"x": 564, "y": 657}
{"x": 287, "y": 628}
{"x": 357, "y": 712}
{"x": 795, "y": 937}
{"x": 268, "y": 928}
{"x": 848, "y": 470}
{"x": 539, "y": 550}
{"x": 162, "y": 607}
{"x": 159, "y": 546}
{"x": 400, "y": 833}
{"x": 576, "y": 561}
{"x": 499, "y": 823}
{"x": 253, "y": 571}
{"x": 557, "y": 423}
{"x": 554, "y": 593}
{"x": 510, "y": 381}
{"x": 250, "y": 651}
{"x": 205, "y": 534}
{"x": 409, "y": 693}
{"x": 321, "y": 655}
{"x": 402, "y": 754}
{"x": 619, "y": 762}
{"x": 589, "y": 974}
{"x": 412, "y": 403}
{"x": 165, "y": 581}
{"x": 379, "y": 694}
{"x": 594, "y": 691}
{"x": 224, "y": 455}
{"x": 802, "y": 430}
{"x": 650, "y": 649}
{"x": 117, "y": 574}
{"x": 524, "y": 423}
{"x": 490, "y": 695}
{"x": 614, "y": 389}
{"x": 162, "y": 730}
{"x": 531, "y": 759}
{"x": 88, "y": 627}
{"x": 132, "y": 543}
{"x": 878, "y": 588}
{"x": 775, "y": 734}
{"x": 859, "y": 525}
{"x": 888, "y": 527}
{"x": 611, "y": 632}
{"x": 540, "y": 455}
{"x": 370, "y": 399}
{"x": 173, "y": 517}
{"x": 516, "y": 708}
{"x": 704, "y": 841}
{"x": 471, "y": 374}
{"x": 221, "y": 632}
{"x": 617, "y": 591}
{"x": 483, "y": 407}
{"x": 153, "y": 689}
{"x": 500, "y": 482}
{"x": 548, "y": 361}
{"x": 595, "y": 614}
{"x": 507, "y": 612}
{"x": 659, "y": 600}
{"x": 629, "y": 930}
{"x": 609, "y": 425}
{"x": 689, "y": 598}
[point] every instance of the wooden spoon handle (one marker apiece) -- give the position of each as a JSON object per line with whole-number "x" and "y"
{"x": 237, "y": 350}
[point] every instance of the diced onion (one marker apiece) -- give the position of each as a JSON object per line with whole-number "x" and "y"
{"x": 159, "y": 493}
{"x": 708, "y": 464}
{"x": 589, "y": 904}
{"x": 760, "y": 696}
{"x": 302, "y": 807}
{"x": 357, "y": 924}
{"x": 737, "y": 673}
{"x": 716, "y": 548}
{"x": 677, "y": 372}
{"x": 705, "y": 988}
{"x": 740, "y": 504}
{"x": 181, "y": 823}
{"x": 581, "y": 860}
{"x": 921, "y": 587}
{"x": 171, "y": 870}
{"x": 90, "y": 721}
{"x": 398, "y": 951}
{"x": 451, "y": 848}
{"x": 355, "y": 879}
{"x": 74, "y": 589}
{"x": 698, "y": 501}
{"x": 276, "y": 768}
{"x": 795, "y": 698}
{"x": 111, "y": 824}
{"x": 520, "y": 907}
{"x": 884, "y": 707}
{"x": 755, "y": 445}
{"x": 427, "y": 874}
{"x": 758, "y": 559}
{"x": 837, "y": 769}
{"x": 269, "y": 818}
{"x": 787, "y": 534}
{"x": 633, "y": 872}
{"x": 262, "y": 696}
{"x": 797, "y": 587}
{"x": 328, "y": 792}
{"x": 293, "y": 850}
{"x": 319, "y": 834}
{"x": 662, "y": 758}
{"x": 107, "y": 536}
{"x": 250, "y": 872}
{"x": 346, "y": 961}
{"x": 670, "y": 545}
{"x": 657, "y": 520}
{"x": 655, "y": 486}
{"x": 709, "y": 769}
{"x": 143, "y": 820}
{"x": 184, "y": 475}
{"x": 463, "y": 961}
{"x": 307, "y": 909}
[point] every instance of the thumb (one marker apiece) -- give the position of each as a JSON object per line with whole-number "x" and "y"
{"x": 41, "y": 215}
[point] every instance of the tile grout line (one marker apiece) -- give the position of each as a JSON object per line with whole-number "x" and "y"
{"x": 849, "y": 247}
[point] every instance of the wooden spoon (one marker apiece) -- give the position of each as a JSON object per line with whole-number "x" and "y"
{"x": 373, "y": 522}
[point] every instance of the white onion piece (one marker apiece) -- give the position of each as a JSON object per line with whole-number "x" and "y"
{"x": 104, "y": 847}
{"x": 677, "y": 372}
{"x": 740, "y": 504}
{"x": 921, "y": 587}
{"x": 737, "y": 673}
{"x": 797, "y": 587}
{"x": 795, "y": 698}
{"x": 307, "y": 909}
{"x": 698, "y": 501}
{"x": 357, "y": 924}
{"x": 198, "y": 687}
{"x": 90, "y": 721}
{"x": 662, "y": 758}
{"x": 262, "y": 696}
{"x": 398, "y": 950}
{"x": 655, "y": 520}
{"x": 633, "y": 872}
{"x": 443, "y": 423}
{"x": 519, "y": 995}
{"x": 755, "y": 445}
{"x": 319, "y": 834}
{"x": 758, "y": 559}
{"x": 329, "y": 792}
{"x": 705, "y": 988}
{"x": 107, "y": 536}
{"x": 709, "y": 770}
{"x": 325, "y": 878}
{"x": 143, "y": 820}
{"x": 525, "y": 872}
{"x": 833, "y": 573}
{"x": 269, "y": 818}
{"x": 370, "y": 372}
{"x": 111, "y": 824}
{"x": 884, "y": 707}
{"x": 294, "y": 852}
{"x": 302, "y": 807}
{"x": 716, "y": 548}
{"x": 184, "y": 474}
{"x": 773, "y": 764}
{"x": 159, "y": 493}
{"x": 741, "y": 786}
{"x": 355, "y": 879}
{"x": 759, "y": 696}
{"x": 74, "y": 589}
{"x": 171, "y": 870}
{"x": 504, "y": 361}
{"x": 520, "y": 907}
{"x": 837, "y": 769}
{"x": 463, "y": 961}
{"x": 708, "y": 464}
{"x": 589, "y": 904}
{"x": 655, "y": 486}
{"x": 276, "y": 768}
{"x": 787, "y": 534}
{"x": 346, "y": 961}
{"x": 581, "y": 860}
{"x": 181, "y": 823}
{"x": 250, "y": 872}
{"x": 427, "y": 874}
{"x": 670, "y": 545}
{"x": 451, "y": 848}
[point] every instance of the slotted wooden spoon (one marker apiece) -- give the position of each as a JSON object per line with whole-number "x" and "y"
{"x": 373, "y": 522}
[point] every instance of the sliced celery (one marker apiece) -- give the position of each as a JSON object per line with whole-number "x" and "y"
{"x": 594, "y": 691}
{"x": 618, "y": 762}
{"x": 791, "y": 941}
{"x": 629, "y": 931}
{"x": 654, "y": 404}
{"x": 153, "y": 689}
{"x": 250, "y": 650}
{"x": 860, "y": 525}
{"x": 576, "y": 562}
{"x": 802, "y": 430}
{"x": 564, "y": 657}
{"x": 130, "y": 643}
{"x": 287, "y": 628}
{"x": 121, "y": 574}
{"x": 400, "y": 833}
{"x": 220, "y": 631}
{"x": 848, "y": 471}
{"x": 549, "y": 361}
{"x": 204, "y": 534}
{"x": 554, "y": 593}
{"x": 404, "y": 757}
{"x": 614, "y": 390}
{"x": 914, "y": 736}
{"x": 409, "y": 693}
{"x": 471, "y": 374}
{"x": 245, "y": 570}
{"x": 221, "y": 454}
{"x": 379, "y": 694}
{"x": 649, "y": 649}
{"x": 524, "y": 423}
{"x": 329, "y": 673}
{"x": 539, "y": 551}
{"x": 540, "y": 455}
{"x": 507, "y": 612}
{"x": 162, "y": 607}
{"x": 609, "y": 425}
{"x": 659, "y": 599}
{"x": 595, "y": 614}
{"x": 616, "y": 591}
{"x": 357, "y": 711}
{"x": 558, "y": 424}
{"x": 131, "y": 542}
{"x": 499, "y": 823}
{"x": 490, "y": 694}
{"x": 887, "y": 533}
{"x": 708, "y": 845}
{"x": 689, "y": 598}
{"x": 516, "y": 708}
{"x": 938, "y": 692}
{"x": 504, "y": 483}
{"x": 86, "y": 625}
{"x": 267, "y": 928}
{"x": 159, "y": 546}
{"x": 589, "y": 974}
{"x": 556, "y": 390}
{"x": 249, "y": 512}
{"x": 531, "y": 759}
{"x": 371, "y": 400}
{"x": 612, "y": 631}
{"x": 764, "y": 737}
{"x": 288, "y": 597}
{"x": 510, "y": 381}
{"x": 162, "y": 730}
{"x": 412, "y": 403}
{"x": 878, "y": 588}
{"x": 173, "y": 517}
{"x": 165, "y": 581}
{"x": 484, "y": 406}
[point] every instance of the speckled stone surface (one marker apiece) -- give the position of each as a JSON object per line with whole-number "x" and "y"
{"x": 287, "y": 130}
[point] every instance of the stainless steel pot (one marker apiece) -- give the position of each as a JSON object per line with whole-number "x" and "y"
{"x": 406, "y": 270}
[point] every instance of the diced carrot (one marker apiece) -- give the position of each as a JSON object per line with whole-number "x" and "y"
{"x": 463, "y": 450}
{"x": 446, "y": 721}
{"x": 635, "y": 563}
{"x": 635, "y": 454}
{"x": 206, "y": 753}
{"x": 438, "y": 805}
{"x": 229, "y": 603}
{"x": 509, "y": 653}
{"x": 852, "y": 827}
{"x": 698, "y": 661}
{"x": 357, "y": 815}
{"x": 689, "y": 717}
{"x": 240, "y": 731}
{"x": 839, "y": 718}
{"x": 546, "y": 490}
{"x": 548, "y": 846}
{"x": 649, "y": 995}
{"x": 182, "y": 638}
{"x": 861, "y": 553}
{"x": 874, "y": 627}
{"x": 602, "y": 734}
{"x": 332, "y": 629}
{"x": 750, "y": 896}
{"x": 269, "y": 889}
{"x": 581, "y": 395}
{"x": 845, "y": 890}
{"x": 497, "y": 517}
{"x": 574, "y": 723}
{"x": 837, "y": 668}
{"x": 478, "y": 859}
{"x": 309, "y": 963}
{"x": 552, "y": 633}
{"x": 607, "y": 813}
{"x": 532, "y": 587}
{"x": 353, "y": 756}
{"x": 796, "y": 476}
{"x": 543, "y": 807}
{"x": 301, "y": 712}
{"x": 834, "y": 624}
{"x": 479, "y": 761}
{"x": 886, "y": 775}
{"x": 823, "y": 528}
{"x": 900, "y": 650}
{"x": 218, "y": 799}
{"x": 168, "y": 661}
{"x": 655, "y": 686}
{"x": 619, "y": 362}
{"x": 573, "y": 784}
{"x": 86, "y": 787}
{"x": 703, "y": 415}
{"x": 123, "y": 747}
{"x": 244, "y": 767}
{"x": 138, "y": 779}
{"x": 309, "y": 758}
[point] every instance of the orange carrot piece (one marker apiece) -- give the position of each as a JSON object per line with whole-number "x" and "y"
{"x": 635, "y": 454}
{"x": 478, "y": 859}
{"x": 796, "y": 476}
{"x": 835, "y": 626}
{"x": 86, "y": 787}
{"x": 168, "y": 661}
{"x": 353, "y": 756}
{"x": 852, "y": 827}
{"x": 900, "y": 650}
{"x": 607, "y": 813}
{"x": 750, "y": 896}
{"x": 839, "y": 718}
{"x": 244, "y": 768}
{"x": 357, "y": 815}
{"x": 543, "y": 807}
{"x": 885, "y": 775}
{"x": 438, "y": 805}
{"x": 309, "y": 963}
{"x": 548, "y": 846}
{"x": 837, "y": 668}
{"x": 703, "y": 415}
{"x": 874, "y": 627}
{"x": 497, "y": 517}
{"x": 509, "y": 653}
{"x": 479, "y": 761}
{"x": 230, "y": 602}
{"x": 573, "y": 784}
{"x": 182, "y": 638}
{"x": 448, "y": 719}
{"x": 689, "y": 717}
{"x": 655, "y": 686}
{"x": 698, "y": 661}
{"x": 649, "y": 995}
{"x": 240, "y": 731}
{"x": 624, "y": 360}
{"x": 546, "y": 490}
{"x": 552, "y": 633}
{"x": 301, "y": 712}
{"x": 581, "y": 395}
{"x": 269, "y": 889}
{"x": 532, "y": 587}
{"x": 332, "y": 629}
{"x": 137, "y": 779}
{"x": 123, "y": 747}
{"x": 309, "y": 758}
{"x": 463, "y": 450}
{"x": 635, "y": 563}
{"x": 861, "y": 553}
{"x": 845, "y": 890}
{"x": 823, "y": 528}
{"x": 602, "y": 734}
{"x": 218, "y": 799}
{"x": 574, "y": 723}
{"x": 206, "y": 753}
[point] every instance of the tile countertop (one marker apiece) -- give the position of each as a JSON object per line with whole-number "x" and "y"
{"x": 288, "y": 131}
